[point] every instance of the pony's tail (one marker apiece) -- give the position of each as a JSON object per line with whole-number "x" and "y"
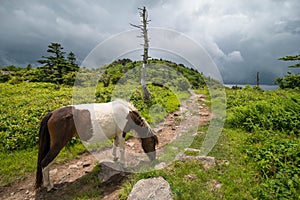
{"x": 44, "y": 146}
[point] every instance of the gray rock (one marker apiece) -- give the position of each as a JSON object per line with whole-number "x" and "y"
{"x": 110, "y": 172}
{"x": 207, "y": 161}
{"x": 153, "y": 188}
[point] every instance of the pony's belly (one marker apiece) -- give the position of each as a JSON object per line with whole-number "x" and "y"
{"x": 107, "y": 119}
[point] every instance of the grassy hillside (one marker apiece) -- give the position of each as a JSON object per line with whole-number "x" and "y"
{"x": 260, "y": 140}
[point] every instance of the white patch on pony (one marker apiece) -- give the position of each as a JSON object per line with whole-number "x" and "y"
{"x": 108, "y": 121}
{"x": 46, "y": 178}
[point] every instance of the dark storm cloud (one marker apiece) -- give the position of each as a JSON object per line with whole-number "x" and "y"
{"x": 242, "y": 37}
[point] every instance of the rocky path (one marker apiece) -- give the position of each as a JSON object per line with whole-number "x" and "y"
{"x": 67, "y": 175}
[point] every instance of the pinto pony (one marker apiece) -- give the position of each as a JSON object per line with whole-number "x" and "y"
{"x": 93, "y": 123}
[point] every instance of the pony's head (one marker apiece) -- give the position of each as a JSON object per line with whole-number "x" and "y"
{"x": 84, "y": 128}
{"x": 148, "y": 138}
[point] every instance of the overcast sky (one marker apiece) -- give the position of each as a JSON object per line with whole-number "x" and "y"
{"x": 242, "y": 37}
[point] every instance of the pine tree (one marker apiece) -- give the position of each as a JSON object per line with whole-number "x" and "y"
{"x": 56, "y": 65}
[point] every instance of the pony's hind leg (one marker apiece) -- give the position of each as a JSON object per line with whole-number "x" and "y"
{"x": 46, "y": 162}
{"x": 46, "y": 178}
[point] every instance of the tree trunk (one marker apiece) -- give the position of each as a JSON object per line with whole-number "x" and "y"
{"x": 146, "y": 92}
{"x": 143, "y": 27}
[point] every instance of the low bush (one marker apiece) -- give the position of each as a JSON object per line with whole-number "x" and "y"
{"x": 273, "y": 122}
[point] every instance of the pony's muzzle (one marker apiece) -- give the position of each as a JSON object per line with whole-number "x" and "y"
{"x": 152, "y": 155}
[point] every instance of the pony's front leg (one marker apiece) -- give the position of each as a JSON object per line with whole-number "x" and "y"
{"x": 122, "y": 151}
{"x": 114, "y": 153}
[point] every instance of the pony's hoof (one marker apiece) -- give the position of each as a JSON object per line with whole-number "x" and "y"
{"x": 116, "y": 159}
{"x": 122, "y": 165}
{"x": 51, "y": 188}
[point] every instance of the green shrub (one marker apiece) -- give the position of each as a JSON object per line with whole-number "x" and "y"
{"x": 278, "y": 161}
{"x": 277, "y": 111}
{"x": 273, "y": 120}
{"x": 21, "y": 109}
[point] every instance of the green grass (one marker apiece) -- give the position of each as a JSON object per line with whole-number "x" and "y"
{"x": 17, "y": 165}
{"x": 237, "y": 177}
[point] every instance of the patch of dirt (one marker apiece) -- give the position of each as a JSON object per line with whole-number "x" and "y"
{"x": 68, "y": 177}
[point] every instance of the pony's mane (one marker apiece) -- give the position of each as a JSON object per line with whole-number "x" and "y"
{"x": 133, "y": 112}
{"x": 138, "y": 119}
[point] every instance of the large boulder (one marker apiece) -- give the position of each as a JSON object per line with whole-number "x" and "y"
{"x": 153, "y": 188}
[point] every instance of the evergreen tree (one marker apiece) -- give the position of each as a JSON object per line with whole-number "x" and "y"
{"x": 56, "y": 66}
{"x": 290, "y": 80}
{"x": 291, "y": 58}
{"x": 72, "y": 62}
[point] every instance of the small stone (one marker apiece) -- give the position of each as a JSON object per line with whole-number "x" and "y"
{"x": 174, "y": 147}
{"x": 158, "y": 130}
{"x": 86, "y": 164}
{"x": 79, "y": 163}
{"x": 191, "y": 176}
{"x": 131, "y": 144}
{"x": 204, "y": 114}
{"x": 73, "y": 166}
{"x": 198, "y": 134}
{"x": 218, "y": 186}
{"x": 225, "y": 162}
{"x": 192, "y": 150}
{"x": 160, "y": 166}
{"x": 201, "y": 95}
{"x": 53, "y": 171}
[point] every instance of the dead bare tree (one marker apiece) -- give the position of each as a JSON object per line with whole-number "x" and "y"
{"x": 257, "y": 79}
{"x": 144, "y": 31}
